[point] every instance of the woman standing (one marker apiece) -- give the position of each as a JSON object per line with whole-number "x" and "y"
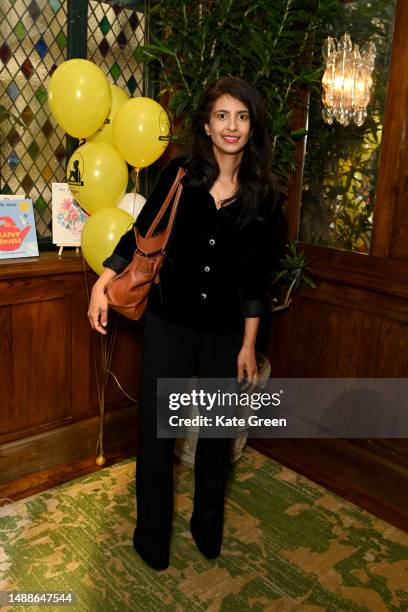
{"x": 202, "y": 318}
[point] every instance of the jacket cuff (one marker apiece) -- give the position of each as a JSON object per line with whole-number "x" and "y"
{"x": 253, "y": 308}
{"x": 116, "y": 263}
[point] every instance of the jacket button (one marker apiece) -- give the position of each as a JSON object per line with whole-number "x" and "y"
{"x": 203, "y": 296}
{"x": 211, "y": 241}
{"x": 206, "y": 268}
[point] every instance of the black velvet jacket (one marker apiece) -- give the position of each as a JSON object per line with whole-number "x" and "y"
{"x": 214, "y": 274}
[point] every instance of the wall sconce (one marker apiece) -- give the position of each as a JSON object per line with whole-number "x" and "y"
{"x": 347, "y": 80}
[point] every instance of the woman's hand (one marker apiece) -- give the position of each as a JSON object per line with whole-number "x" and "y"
{"x": 246, "y": 356}
{"x": 98, "y": 309}
{"x": 247, "y": 365}
{"x": 98, "y": 303}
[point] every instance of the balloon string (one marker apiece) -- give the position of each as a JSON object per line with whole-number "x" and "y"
{"x": 134, "y": 204}
{"x": 137, "y": 170}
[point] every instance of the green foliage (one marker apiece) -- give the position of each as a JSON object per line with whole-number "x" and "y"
{"x": 293, "y": 265}
{"x": 289, "y": 277}
{"x": 267, "y": 43}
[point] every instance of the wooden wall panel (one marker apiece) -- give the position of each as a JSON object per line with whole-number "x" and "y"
{"x": 7, "y": 374}
{"x": 318, "y": 338}
{"x": 392, "y": 350}
{"x": 126, "y": 361}
{"x": 344, "y": 331}
{"x": 65, "y": 444}
{"x": 48, "y": 349}
{"x": 336, "y": 342}
{"x": 39, "y": 348}
{"x": 38, "y": 288}
{"x": 84, "y": 392}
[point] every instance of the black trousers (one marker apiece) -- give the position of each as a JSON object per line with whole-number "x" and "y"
{"x": 174, "y": 351}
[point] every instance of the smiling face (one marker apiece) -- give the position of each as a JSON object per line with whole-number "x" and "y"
{"x": 229, "y": 126}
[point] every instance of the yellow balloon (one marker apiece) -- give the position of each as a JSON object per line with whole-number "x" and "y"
{"x": 101, "y": 233}
{"x": 97, "y": 176}
{"x": 79, "y": 97}
{"x": 119, "y": 97}
{"x": 141, "y": 131}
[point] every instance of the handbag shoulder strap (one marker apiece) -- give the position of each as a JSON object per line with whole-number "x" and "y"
{"x": 151, "y": 244}
{"x": 181, "y": 172}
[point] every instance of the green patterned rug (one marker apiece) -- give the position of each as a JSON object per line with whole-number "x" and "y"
{"x": 289, "y": 545}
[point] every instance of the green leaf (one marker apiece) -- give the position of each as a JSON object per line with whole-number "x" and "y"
{"x": 299, "y": 133}
{"x": 308, "y": 281}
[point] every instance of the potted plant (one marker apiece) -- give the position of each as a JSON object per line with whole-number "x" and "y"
{"x": 289, "y": 277}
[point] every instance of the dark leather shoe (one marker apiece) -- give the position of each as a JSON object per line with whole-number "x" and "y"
{"x": 211, "y": 552}
{"x": 153, "y": 563}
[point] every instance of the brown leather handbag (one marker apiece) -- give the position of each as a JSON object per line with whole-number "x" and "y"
{"x": 127, "y": 292}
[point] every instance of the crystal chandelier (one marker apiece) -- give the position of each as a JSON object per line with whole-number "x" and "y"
{"x": 347, "y": 80}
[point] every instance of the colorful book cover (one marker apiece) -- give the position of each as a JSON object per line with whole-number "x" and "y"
{"x": 18, "y": 237}
{"x": 68, "y": 217}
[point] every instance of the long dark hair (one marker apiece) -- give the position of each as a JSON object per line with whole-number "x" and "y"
{"x": 255, "y": 178}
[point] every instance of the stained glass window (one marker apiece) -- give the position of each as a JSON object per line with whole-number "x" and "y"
{"x": 114, "y": 34}
{"x": 33, "y": 42}
{"x": 34, "y": 36}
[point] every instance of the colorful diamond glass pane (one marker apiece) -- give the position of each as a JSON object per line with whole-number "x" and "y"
{"x": 61, "y": 40}
{"x": 13, "y": 161}
{"x": 13, "y": 137}
{"x": 104, "y": 47}
{"x": 33, "y": 150}
{"x": 47, "y": 128}
{"x": 27, "y": 68}
{"x": 104, "y": 25}
{"x": 41, "y": 48}
{"x": 27, "y": 115}
{"x": 40, "y": 205}
{"x": 13, "y": 91}
{"x": 41, "y": 94}
{"x": 34, "y": 10}
{"x": 131, "y": 84}
{"x": 5, "y": 190}
{"x": 115, "y": 71}
{"x": 55, "y": 5}
{"x": 19, "y": 31}
{"x": 5, "y": 53}
{"x": 27, "y": 183}
{"x": 133, "y": 21}
{"x": 60, "y": 152}
{"x": 46, "y": 173}
{"x": 122, "y": 40}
